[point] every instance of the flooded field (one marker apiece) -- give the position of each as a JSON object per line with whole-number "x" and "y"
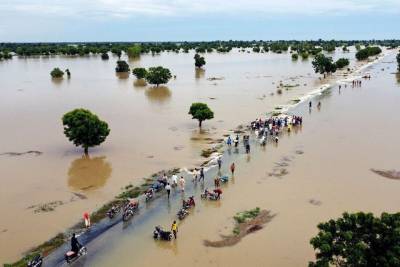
{"x": 47, "y": 189}
{"x": 328, "y": 164}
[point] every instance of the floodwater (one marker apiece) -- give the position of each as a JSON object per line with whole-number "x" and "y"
{"x": 150, "y": 131}
{"x": 328, "y": 162}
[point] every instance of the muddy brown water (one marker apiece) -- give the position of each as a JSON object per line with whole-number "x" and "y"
{"x": 329, "y": 162}
{"x": 147, "y": 125}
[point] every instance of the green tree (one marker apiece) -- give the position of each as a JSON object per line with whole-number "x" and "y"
{"x": 140, "y": 73}
{"x": 201, "y": 112}
{"x": 358, "y": 239}
{"x": 398, "y": 61}
{"x": 57, "y": 73}
{"x": 323, "y": 64}
{"x": 158, "y": 75}
{"x": 342, "y": 62}
{"x": 84, "y": 128}
{"x": 295, "y": 56}
{"x": 367, "y": 52}
{"x": 104, "y": 56}
{"x": 199, "y": 61}
{"x": 122, "y": 66}
{"x": 304, "y": 55}
{"x": 134, "y": 51}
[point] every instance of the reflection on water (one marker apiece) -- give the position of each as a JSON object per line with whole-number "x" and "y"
{"x": 139, "y": 83}
{"x": 57, "y": 81}
{"x": 199, "y": 73}
{"x": 89, "y": 173}
{"x": 159, "y": 94}
{"x": 122, "y": 75}
{"x": 398, "y": 77}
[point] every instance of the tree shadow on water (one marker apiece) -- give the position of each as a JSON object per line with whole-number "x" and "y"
{"x": 89, "y": 173}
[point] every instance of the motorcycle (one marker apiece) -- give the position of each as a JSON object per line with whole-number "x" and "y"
{"x": 224, "y": 179}
{"x": 149, "y": 194}
{"x": 36, "y": 261}
{"x": 71, "y": 256}
{"x": 130, "y": 210}
{"x": 157, "y": 187}
{"x": 216, "y": 195}
{"x": 159, "y": 233}
{"x": 113, "y": 211}
{"x": 187, "y": 204}
{"x": 182, "y": 213}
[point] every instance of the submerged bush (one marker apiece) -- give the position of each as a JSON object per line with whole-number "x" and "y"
{"x": 57, "y": 73}
{"x": 342, "y": 62}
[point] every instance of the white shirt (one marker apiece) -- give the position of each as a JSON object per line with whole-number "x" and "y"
{"x": 174, "y": 179}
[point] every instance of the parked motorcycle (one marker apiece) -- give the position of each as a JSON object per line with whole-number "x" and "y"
{"x": 71, "y": 256}
{"x": 149, "y": 194}
{"x": 129, "y": 210}
{"x": 159, "y": 233}
{"x": 187, "y": 204}
{"x": 215, "y": 195}
{"x": 36, "y": 261}
{"x": 182, "y": 213}
{"x": 113, "y": 211}
{"x": 224, "y": 179}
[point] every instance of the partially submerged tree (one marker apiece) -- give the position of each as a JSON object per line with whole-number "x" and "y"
{"x": 139, "y": 73}
{"x": 158, "y": 75}
{"x": 105, "y": 56}
{"x": 201, "y": 112}
{"x": 134, "y": 51}
{"x": 199, "y": 61}
{"x": 57, "y": 73}
{"x": 358, "y": 239}
{"x": 122, "y": 66}
{"x": 323, "y": 64}
{"x": 367, "y": 52}
{"x": 84, "y": 128}
{"x": 295, "y": 56}
{"x": 398, "y": 61}
{"x": 342, "y": 62}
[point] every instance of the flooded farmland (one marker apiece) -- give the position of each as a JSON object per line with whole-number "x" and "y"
{"x": 48, "y": 183}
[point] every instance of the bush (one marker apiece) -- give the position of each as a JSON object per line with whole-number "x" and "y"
{"x": 295, "y": 56}
{"x": 367, "y": 52}
{"x": 342, "y": 62}
{"x": 122, "y": 66}
{"x": 139, "y": 73}
{"x": 158, "y": 75}
{"x": 105, "y": 56}
{"x": 57, "y": 73}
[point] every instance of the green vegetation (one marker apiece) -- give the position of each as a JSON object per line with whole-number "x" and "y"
{"x": 134, "y": 51}
{"x": 84, "y": 128}
{"x": 367, "y": 52}
{"x": 398, "y": 61}
{"x": 158, "y": 75}
{"x": 295, "y": 56}
{"x": 201, "y": 112}
{"x": 358, "y": 239}
{"x": 243, "y": 217}
{"x": 342, "y": 62}
{"x": 323, "y": 64}
{"x": 56, "y": 73}
{"x": 139, "y": 73}
{"x": 199, "y": 61}
{"x": 122, "y": 66}
{"x": 256, "y": 49}
{"x": 304, "y": 55}
{"x": 104, "y": 56}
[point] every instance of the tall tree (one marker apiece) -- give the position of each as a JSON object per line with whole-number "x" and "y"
{"x": 398, "y": 61}
{"x": 201, "y": 112}
{"x": 323, "y": 64}
{"x": 84, "y": 128}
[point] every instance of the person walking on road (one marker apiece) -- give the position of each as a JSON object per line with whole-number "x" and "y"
{"x": 168, "y": 188}
{"x": 219, "y": 163}
{"x": 174, "y": 229}
{"x": 233, "y": 168}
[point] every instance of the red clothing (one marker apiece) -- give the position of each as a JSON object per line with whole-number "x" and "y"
{"x": 86, "y": 216}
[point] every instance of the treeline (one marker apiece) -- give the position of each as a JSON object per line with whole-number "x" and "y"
{"x": 303, "y": 48}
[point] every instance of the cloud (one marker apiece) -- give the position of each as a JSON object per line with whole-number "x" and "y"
{"x": 185, "y": 8}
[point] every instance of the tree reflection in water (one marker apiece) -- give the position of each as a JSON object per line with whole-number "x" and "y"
{"x": 89, "y": 173}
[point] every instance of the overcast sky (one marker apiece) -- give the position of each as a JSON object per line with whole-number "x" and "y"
{"x": 191, "y": 20}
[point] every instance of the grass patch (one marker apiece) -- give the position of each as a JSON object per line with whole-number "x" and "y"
{"x": 245, "y": 216}
{"x": 207, "y": 152}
